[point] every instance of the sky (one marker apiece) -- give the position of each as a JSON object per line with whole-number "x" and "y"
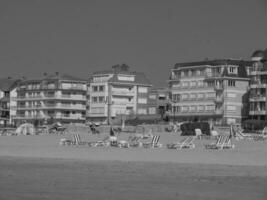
{"x": 79, "y": 37}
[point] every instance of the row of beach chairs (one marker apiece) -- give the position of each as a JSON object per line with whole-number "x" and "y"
{"x": 223, "y": 142}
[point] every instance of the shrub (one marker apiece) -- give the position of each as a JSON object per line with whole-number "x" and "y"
{"x": 189, "y": 128}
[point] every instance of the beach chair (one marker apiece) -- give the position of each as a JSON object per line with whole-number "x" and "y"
{"x": 227, "y": 143}
{"x": 77, "y": 140}
{"x": 176, "y": 144}
{"x": 240, "y": 135}
{"x": 223, "y": 142}
{"x": 154, "y": 143}
{"x": 186, "y": 143}
{"x": 217, "y": 144}
{"x": 104, "y": 142}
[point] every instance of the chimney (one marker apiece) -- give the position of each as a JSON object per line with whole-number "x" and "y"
{"x": 45, "y": 74}
{"x": 57, "y": 73}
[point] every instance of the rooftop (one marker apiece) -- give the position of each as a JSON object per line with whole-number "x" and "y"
{"x": 7, "y": 84}
{"x": 214, "y": 63}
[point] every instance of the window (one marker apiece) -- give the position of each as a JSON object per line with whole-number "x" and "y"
{"x": 185, "y": 84}
{"x": 185, "y": 96}
{"x": 200, "y": 83}
{"x": 95, "y": 89}
{"x": 210, "y": 107}
{"x": 101, "y": 88}
{"x": 141, "y": 111}
{"x": 231, "y": 95}
{"x": 192, "y": 108}
{"x": 152, "y": 110}
{"x": 210, "y": 83}
{"x": 200, "y": 95}
{"x": 210, "y": 95}
{"x": 185, "y": 108}
{"x": 101, "y": 99}
{"x": 232, "y": 70}
{"x": 193, "y": 96}
{"x": 231, "y": 83}
{"x": 142, "y": 89}
{"x": 201, "y": 108}
{"x": 94, "y": 99}
{"x": 231, "y": 108}
{"x": 142, "y": 100}
{"x": 193, "y": 84}
{"x": 152, "y": 96}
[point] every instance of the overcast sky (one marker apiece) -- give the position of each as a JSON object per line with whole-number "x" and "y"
{"x": 79, "y": 37}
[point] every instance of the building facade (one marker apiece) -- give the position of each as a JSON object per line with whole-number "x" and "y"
{"x": 57, "y": 97}
{"x": 8, "y": 104}
{"x": 214, "y": 91}
{"x": 158, "y": 102}
{"x": 115, "y": 94}
{"x": 258, "y": 86}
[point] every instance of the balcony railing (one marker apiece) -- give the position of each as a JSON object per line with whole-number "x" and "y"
{"x": 257, "y": 112}
{"x": 123, "y": 93}
{"x": 257, "y": 98}
{"x": 262, "y": 85}
{"x": 50, "y": 106}
{"x": 71, "y": 97}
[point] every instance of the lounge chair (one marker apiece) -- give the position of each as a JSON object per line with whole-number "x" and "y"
{"x": 216, "y": 144}
{"x": 104, "y": 142}
{"x": 154, "y": 143}
{"x": 131, "y": 142}
{"x": 223, "y": 142}
{"x": 185, "y": 143}
{"x": 77, "y": 140}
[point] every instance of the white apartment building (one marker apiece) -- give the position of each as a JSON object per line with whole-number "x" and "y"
{"x": 213, "y": 91}
{"x": 8, "y": 103}
{"x": 56, "y": 97}
{"x": 116, "y": 93}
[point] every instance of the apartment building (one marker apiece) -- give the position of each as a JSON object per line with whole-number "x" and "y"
{"x": 211, "y": 90}
{"x": 158, "y": 102}
{"x": 8, "y": 103}
{"x": 55, "y": 97}
{"x": 258, "y": 86}
{"x": 116, "y": 93}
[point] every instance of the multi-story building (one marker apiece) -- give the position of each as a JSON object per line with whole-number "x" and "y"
{"x": 258, "y": 86}
{"x": 56, "y": 97}
{"x": 115, "y": 93}
{"x": 158, "y": 102}
{"x": 8, "y": 103}
{"x": 211, "y": 90}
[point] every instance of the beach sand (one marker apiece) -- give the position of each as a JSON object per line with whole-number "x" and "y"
{"x": 36, "y": 167}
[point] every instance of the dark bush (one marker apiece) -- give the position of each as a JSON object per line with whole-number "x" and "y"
{"x": 189, "y": 128}
{"x": 254, "y": 125}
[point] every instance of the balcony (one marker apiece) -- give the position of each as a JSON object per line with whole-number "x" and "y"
{"x": 218, "y": 87}
{"x": 123, "y": 93}
{"x": 52, "y": 106}
{"x": 43, "y": 97}
{"x": 257, "y": 98}
{"x": 218, "y": 99}
{"x": 218, "y": 112}
{"x": 212, "y": 75}
{"x": 263, "y": 85}
{"x": 257, "y": 112}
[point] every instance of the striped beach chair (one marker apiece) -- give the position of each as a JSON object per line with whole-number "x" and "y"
{"x": 154, "y": 142}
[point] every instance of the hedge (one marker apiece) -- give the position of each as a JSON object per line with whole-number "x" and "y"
{"x": 189, "y": 128}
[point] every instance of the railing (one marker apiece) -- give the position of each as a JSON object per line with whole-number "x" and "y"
{"x": 52, "y": 97}
{"x": 257, "y": 112}
{"x": 262, "y": 85}
{"x": 124, "y": 93}
{"x": 257, "y": 98}
{"x": 55, "y": 106}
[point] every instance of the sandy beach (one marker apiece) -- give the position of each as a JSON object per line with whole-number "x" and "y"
{"x": 36, "y": 167}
